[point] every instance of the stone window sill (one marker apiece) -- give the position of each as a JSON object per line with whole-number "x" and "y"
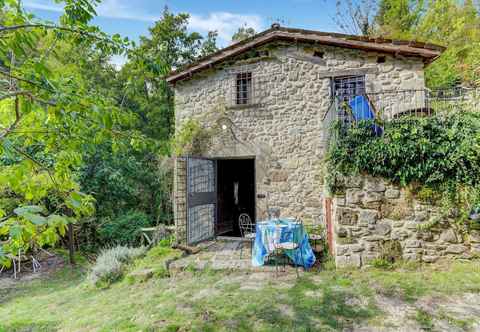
{"x": 243, "y": 106}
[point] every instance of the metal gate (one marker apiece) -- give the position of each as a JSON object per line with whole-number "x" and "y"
{"x": 201, "y": 199}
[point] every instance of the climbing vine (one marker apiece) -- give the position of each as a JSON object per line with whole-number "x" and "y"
{"x": 437, "y": 158}
{"x": 195, "y": 136}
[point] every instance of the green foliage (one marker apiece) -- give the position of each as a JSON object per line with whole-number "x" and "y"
{"x": 243, "y": 33}
{"x": 49, "y": 114}
{"x": 124, "y": 229}
{"x": 191, "y": 139}
{"x": 424, "y": 319}
{"x": 440, "y": 153}
{"x": 396, "y": 17}
{"x": 112, "y": 263}
{"x": 455, "y": 24}
{"x": 380, "y": 263}
{"x": 79, "y": 138}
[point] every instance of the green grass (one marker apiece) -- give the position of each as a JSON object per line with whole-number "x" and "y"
{"x": 412, "y": 282}
{"x": 219, "y": 301}
{"x": 424, "y": 319}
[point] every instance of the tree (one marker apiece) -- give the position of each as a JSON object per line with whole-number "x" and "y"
{"x": 137, "y": 177}
{"x": 209, "y": 45}
{"x": 243, "y": 33}
{"x": 356, "y": 17}
{"x": 48, "y": 115}
{"x": 455, "y": 24}
{"x": 398, "y": 18}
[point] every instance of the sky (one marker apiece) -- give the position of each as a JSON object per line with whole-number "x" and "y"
{"x": 132, "y": 18}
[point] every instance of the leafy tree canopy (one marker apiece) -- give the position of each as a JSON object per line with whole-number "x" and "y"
{"x": 452, "y": 23}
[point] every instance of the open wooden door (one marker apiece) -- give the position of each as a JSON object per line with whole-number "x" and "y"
{"x": 201, "y": 199}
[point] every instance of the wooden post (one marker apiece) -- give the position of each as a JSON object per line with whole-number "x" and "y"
{"x": 328, "y": 215}
{"x": 71, "y": 250}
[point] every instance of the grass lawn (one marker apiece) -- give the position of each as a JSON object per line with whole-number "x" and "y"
{"x": 234, "y": 301}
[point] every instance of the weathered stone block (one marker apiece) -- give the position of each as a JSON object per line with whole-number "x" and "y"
{"x": 429, "y": 259}
{"x": 373, "y": 238}
{"x": 346, "y": 216}
{"x": 412, "y": 224}
{"x": 278, "y": 176}
{"x": 372, "y": 197}
{"x": 313, "y": 203}
{"x": 413, "y": 244}
{"x": 383, "y": 229}
{"x": 368, "y": 217}
{"x": 421, "y": 216}
{"x": 455, "y": 249}
{"x": 374, "y": 184}
{"x": 399, "y": 234}
{"x": 341, "y": 250}
{"x": 392, "y": 193}
{"x": 474, "y": 237}
{"x": 397, "y": 223}
{"x": 341, "y": 232}
{"x": 448, "y": 236}
{"x": 353, "y": 182}
{"x": 356, "y": 248}
{"x": 353, "y": 260}
{"x": 353, "y": 196}
{"x": 372, "y": 247}
{"x": 475, "y": 249}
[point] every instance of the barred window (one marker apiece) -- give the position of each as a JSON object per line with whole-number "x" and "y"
{"x": 244, "y": 88}
{"x": 349, "y": 86}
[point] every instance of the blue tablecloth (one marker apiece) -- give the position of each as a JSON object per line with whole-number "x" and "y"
{"x": 281, "y": 230}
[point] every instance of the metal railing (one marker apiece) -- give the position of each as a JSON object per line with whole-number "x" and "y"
{"x": 384, "y": 106}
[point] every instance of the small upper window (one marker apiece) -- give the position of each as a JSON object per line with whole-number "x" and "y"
{"x": 381, "y": 59}
{"x": 318, "y": 54}
{"x": 244, "y": 88}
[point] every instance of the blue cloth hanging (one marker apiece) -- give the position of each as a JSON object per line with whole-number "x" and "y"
{"x": 362, "y": 111}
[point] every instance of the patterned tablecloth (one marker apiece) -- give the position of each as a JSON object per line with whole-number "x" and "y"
{"x": 281, "y": 230}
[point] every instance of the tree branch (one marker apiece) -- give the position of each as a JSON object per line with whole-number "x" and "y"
{"x": 15, "y": 123}
{"x": 45, "y": 26}
{"x": 26, "y": 93}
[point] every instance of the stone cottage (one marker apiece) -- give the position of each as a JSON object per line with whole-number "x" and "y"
{"x": 268, "y": 98}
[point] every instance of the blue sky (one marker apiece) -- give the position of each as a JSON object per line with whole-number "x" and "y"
{"x": 132, "y": 18}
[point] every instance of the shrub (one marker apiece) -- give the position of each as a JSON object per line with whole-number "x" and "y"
{"x": 125, "y": 229}
{"x": 439, "y": 154}
{"x": 111, "y": 264}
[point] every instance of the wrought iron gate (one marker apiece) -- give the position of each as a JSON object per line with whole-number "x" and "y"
{"x": 201, "y": 199}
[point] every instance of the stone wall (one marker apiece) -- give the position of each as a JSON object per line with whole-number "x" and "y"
{"x": 285, "y": 129}
{"x": 372, "y": 215}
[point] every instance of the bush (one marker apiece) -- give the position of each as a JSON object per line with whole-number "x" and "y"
{"x": 125, "y": 229}
{"x": 438, "y": 154}
{"x": 111, "y": 264}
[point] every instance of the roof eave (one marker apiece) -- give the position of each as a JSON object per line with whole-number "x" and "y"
{"x": 428, "y": 52}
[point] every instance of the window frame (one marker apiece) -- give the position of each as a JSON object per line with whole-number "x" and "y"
{"x": 348, "y": 91}
{"x": 243, "y": 94}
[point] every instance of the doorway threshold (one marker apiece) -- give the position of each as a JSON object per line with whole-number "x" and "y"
{"x": 231, "y": 238}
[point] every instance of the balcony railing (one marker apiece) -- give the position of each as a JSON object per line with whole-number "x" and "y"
{"x": 385, "y": 106}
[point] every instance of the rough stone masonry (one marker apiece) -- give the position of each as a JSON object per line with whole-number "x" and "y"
{"x": 370, "y": 214}
{"x": 284, "y": 128}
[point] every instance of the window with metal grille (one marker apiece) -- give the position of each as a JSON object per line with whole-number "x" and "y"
{"x": 243, "y": 88}
{"x": 348, "y": 86}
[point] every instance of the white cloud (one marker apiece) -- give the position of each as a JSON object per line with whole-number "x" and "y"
{"x": 225, "y": 23}
{"x": 50, "y": 6}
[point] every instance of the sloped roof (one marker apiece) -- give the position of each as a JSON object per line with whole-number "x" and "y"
{"x": 428, "y": 52}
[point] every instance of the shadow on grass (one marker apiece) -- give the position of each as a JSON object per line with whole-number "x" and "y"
{"x": 301, "y": 306}
{"x": 29, "y": 327}
{"x": 64, "y": 278}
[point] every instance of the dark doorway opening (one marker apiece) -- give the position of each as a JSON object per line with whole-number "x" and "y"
{"x": 236, "y": 194}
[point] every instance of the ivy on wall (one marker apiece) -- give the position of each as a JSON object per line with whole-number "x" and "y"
{"x": 437, "y": 158}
